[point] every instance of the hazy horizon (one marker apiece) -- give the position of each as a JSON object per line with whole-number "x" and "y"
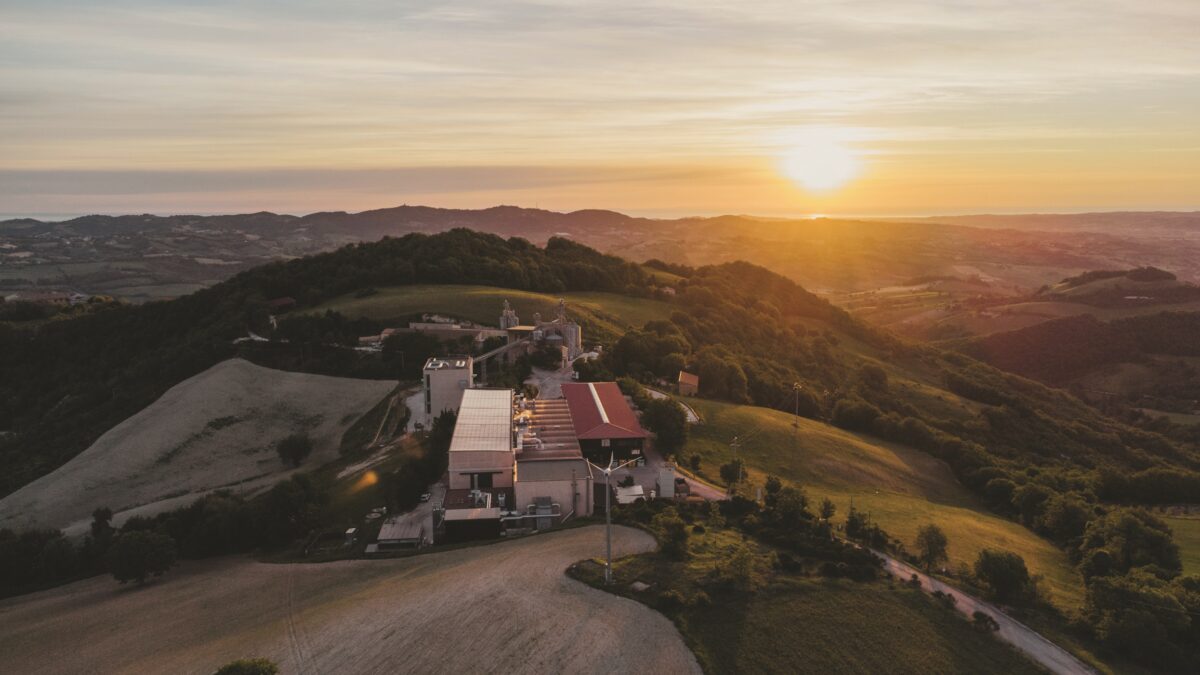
{"x": 59, "y": 217}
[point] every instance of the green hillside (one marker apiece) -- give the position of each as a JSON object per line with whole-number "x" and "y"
{"x": 610, "y": 313}
{"x": 901, "y": 488}
{"x": 1187, "y": 535}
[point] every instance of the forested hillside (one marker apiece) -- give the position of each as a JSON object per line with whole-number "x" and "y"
{"x": 65, "y": 383}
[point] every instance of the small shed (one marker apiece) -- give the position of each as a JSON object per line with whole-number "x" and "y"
{"x": 688, "y": 384}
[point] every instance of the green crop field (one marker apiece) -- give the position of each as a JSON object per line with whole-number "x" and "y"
{"x": 609, "y": 313}
{"x": 900, "y": 487}
{"x": 1187, "y": 535}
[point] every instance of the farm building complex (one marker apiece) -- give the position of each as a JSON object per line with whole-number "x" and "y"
{"x": 521, "y": 464}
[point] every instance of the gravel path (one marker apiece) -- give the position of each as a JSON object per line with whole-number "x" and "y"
{"x": 507, "y": 607}
{"x": 1049, "y": 655}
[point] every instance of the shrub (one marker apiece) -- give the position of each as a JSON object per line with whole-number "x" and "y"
{"x": 294, "y": 448}
{"x": 671, "y": 600}
{"x": 249, "y": 667}
{"x": 136, "y": 555}
{"x": 1004, "y": 573}
{"x": 984, "y": 622}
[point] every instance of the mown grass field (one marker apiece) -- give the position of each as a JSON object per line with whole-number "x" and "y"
{"x": 900, "y": 487}
{"x": 1187, "y": 535}
{"x": 609, "y": 313}
{"x": 799, "y": 624}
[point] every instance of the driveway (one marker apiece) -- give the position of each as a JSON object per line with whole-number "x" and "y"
{"x": 506, "y": 607}
{"x": 1049, "y": 655}
{"x": 647, "y": 476}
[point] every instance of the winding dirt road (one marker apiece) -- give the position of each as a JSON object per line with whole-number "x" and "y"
{"x": 501, "y": 608}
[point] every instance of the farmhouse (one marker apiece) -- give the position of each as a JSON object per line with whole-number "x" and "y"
{"x": 605, "y": 426}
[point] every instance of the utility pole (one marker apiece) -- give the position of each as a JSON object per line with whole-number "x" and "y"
{"x": 608, "y": 513}
{"x": 734, "y": 445}
{"x": 796, "y": 387}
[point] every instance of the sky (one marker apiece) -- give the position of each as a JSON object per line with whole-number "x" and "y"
{"x": 651, "y": 107}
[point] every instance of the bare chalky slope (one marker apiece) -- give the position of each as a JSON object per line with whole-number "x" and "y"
{"x": 214, "y": 430}
{"x": 505, "y": 608}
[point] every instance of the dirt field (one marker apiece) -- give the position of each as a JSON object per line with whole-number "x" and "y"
{"x": 501, "y": 608}
{"x": 214, "y": 430}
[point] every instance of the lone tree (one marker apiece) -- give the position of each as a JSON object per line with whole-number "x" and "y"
{"x": 1004, "y": 573}
{"x": 931, "y": 546}
{"x": 732, "y": 472}
{"x": 293, "y": 449}
{"x": 136, "y": 555}
{"x": 827, "y": 508}
{"x": 668, "y": 421}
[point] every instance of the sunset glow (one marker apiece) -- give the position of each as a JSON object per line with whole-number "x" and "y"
{"x": 819, "y": 162}
{"x": 661, "y": 107}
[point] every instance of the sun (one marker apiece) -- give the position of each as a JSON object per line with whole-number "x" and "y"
{"x": 818, "y": 161}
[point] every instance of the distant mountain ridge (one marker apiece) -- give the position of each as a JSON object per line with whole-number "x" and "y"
{"x": 142, "y": 257}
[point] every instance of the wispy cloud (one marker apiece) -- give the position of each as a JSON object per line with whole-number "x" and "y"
{"x": 134, "y": 88}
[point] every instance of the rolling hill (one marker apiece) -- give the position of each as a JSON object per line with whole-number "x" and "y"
{"x": 215, "y": 430}
{"x": 922, "y": 434}
{"x": 901, "y": 488}
{"x": 606, "y": 314}
{"x": 143, "y": 257}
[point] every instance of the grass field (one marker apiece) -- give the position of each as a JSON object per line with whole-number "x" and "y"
{"x": 827, "y": 627}
{"x": 798, "y": 624}
{"x": 1187, "y": 535}
{"x": 609, "y": 313}
{"x": 901, "y": 488}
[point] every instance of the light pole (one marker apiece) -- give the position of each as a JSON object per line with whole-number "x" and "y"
{"x": 608, "y": 513}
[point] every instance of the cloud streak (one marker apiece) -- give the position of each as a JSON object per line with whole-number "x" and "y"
{"x": 464, "y": 88}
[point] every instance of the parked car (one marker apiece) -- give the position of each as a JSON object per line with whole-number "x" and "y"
{"x": 425, "y": 497}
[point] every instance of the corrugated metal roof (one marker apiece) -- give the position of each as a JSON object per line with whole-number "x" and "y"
{"x": 599, "y": 410}
{"x": 484, "y": 421}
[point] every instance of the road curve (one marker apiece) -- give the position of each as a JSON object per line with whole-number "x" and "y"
{"x": 507, "y": 607}
{"x": 1028, "y": 641}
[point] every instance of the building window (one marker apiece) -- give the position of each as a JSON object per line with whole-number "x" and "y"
{"x": 604, "y": 443}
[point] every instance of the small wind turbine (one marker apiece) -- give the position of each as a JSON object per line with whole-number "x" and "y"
{"x": 608, "y": 512}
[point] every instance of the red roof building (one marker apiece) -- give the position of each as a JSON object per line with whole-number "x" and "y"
{"x": 604, "y": 423}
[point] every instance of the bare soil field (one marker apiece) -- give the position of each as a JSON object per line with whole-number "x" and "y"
{"x": 215, "y": 430}
{"x": 502, "y": 608}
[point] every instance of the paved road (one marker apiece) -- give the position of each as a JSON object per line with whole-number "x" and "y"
{"x": 1049, "y": 655}
{"x": 430, "y": 613}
